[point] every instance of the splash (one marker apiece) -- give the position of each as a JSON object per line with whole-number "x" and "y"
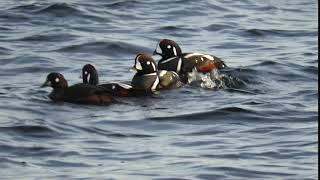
{"x": 212, "y": 80}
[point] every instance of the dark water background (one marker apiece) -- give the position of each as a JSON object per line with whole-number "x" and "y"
{"x": 264, "y": 126}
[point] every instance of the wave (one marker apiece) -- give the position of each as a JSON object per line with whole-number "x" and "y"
{"x": 59, "y": 9}
{"x": 5, "y": 51}
{"x": 279, "y": 32}
{"x": 176, "y": 29}
{"x": 117, "y": 49}
{"x": 26, "y": 8}
{"x": 39, "y": 131}
{"x": 218, "y": 27}
{"x": 217, "y": 114}
{"x": 248, "y": 173}
{"x": 26, "y": 59}
{"x": 49, "y": 37}
{"x": 241, "y": 114}
{"x": 122, "y": 4}
{"x": 103, "y": 132}
{"x": 14, "y": 18}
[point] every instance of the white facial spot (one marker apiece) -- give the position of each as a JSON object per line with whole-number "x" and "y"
{"x": 202, "y": 59}
{"x": 57, "y": 80}
{"x": 113, "y": 86}
{"x": 85, "y": 72}
{"x": 196, "y": 60}
{"x": 169, "y": 46}
{"x": 148, "y": 62}
{"x": 171, "y": 78}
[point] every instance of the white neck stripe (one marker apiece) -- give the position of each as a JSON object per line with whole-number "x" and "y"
{"x": 150, "y": 74}
{"x": 167, "y": 60}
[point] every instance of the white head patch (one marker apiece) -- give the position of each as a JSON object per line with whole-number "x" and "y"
{"x": 169, "y": 46}
{"x": 56, "y": 80}
{"x": 85, "y": 72}
{"x": 148, "y": 62}
{"x": 138, "y": 64}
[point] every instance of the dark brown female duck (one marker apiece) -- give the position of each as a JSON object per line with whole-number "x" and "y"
{"x": 79, "y": 93}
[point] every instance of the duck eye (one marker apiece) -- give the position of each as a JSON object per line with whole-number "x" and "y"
{"x": 169, "y": 47}
{"x": 57, "y": 80}
{"x": 85, "y": 72}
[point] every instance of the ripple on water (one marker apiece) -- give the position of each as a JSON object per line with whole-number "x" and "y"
{"x": 115, "y": 49}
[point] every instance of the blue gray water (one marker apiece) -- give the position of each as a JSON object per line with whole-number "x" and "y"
{"x": 262, "y": 125}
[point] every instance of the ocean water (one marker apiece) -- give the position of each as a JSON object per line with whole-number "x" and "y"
{"x": 262, "y": 124}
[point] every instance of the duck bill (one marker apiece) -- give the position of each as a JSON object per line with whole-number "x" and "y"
{"x": 133, "y": 69}
{"x": 157, "y": 51}
{"x": 46, "y": 84}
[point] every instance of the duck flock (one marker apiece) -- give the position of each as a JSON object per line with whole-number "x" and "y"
{"x": 173, "y": 70}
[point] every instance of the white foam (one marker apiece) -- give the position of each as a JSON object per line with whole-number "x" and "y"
{"x": 210, "y": 80}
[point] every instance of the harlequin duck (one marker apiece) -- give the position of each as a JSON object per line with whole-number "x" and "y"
{"x": 78, "y": 93}
{"x": 149, "y": 78}
{"x": 183, "y": 63}
{"x": 90, "y": 76}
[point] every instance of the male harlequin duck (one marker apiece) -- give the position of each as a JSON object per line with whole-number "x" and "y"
{"x": 149, "y": 78}
{"x": 78, "y": 93}
{"x": 183, "y": 63}
{"x": 90, "y": 76}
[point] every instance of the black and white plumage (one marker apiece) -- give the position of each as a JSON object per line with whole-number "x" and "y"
{"x": 183, "y": 63}
{"x": 90, "y": 76}
{"x": 148, "y": 77}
